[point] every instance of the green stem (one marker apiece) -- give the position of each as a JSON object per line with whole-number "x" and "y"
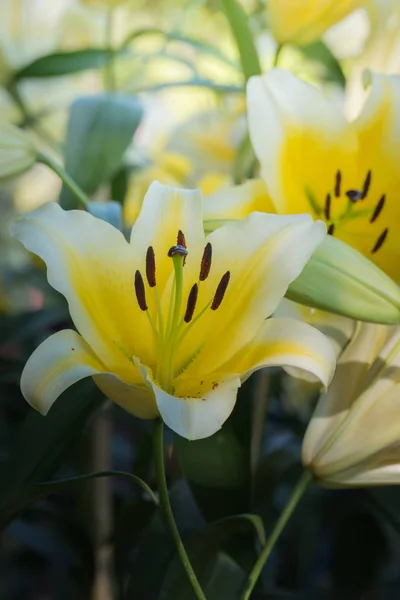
{"x": 65, "y": 178}
{"x": 30, "y": 119}
{"x": 158, "y": 437}
{"x": 301, "y": 486}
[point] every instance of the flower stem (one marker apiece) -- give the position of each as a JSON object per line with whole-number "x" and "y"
{"x": 65, "y": 178}
{"x": 158, "y": 437}
{"x": 301, "y": 486}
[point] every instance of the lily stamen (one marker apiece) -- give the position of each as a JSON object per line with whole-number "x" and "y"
{"x": 151, "y": 267}
{"x": 380, "y": 240}
{"x": 221, "y": 289}
{"x": 338, "y": 180}
{"x": 367, "y": 184}
{"x": 180, "y": 239}
{"x": 191, "y": 303}
{"x": 206, "y": 262}
{"x": 140, "y": 291}
{"x": 327, "y": 209}
{"x": 378, "y": 209}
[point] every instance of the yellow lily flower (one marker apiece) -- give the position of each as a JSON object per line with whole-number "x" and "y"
{"x": 313, "y": 160}
{"x": 304, "y": 21}
{"x": 171, "y": 322}
{"x": 353, "y": 436}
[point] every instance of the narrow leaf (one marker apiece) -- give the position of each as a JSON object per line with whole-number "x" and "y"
{"x": 240, "y": 27}
{"x": 100, "y": 128}
{"x": 64, "y": 63}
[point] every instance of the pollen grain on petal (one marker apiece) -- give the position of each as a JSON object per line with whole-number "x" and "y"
{"x": 206, "y": 262}
{"x": 380, "y": 240}
{"x": 220, "y": 292}
{"x": 151, "y": 266}
{"x": 140, "y": 291}
{"x": 191, "y": 303}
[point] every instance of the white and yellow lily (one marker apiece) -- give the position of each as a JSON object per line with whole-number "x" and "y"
{"x": 313, "y": 160}
{"x": 304, "y": 21}
{"x": 353, "y": 438}
{"x": 173, "y": 321}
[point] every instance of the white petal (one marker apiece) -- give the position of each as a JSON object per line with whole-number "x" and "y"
{"x": 334, "y": 406}
{"x": 236, "y": 202}
{"x": 164, "y": 212}
{"x": 287, "y": 343}
{"x": 138, "y": 400}
{"x": 279, "y": 106}
{"x": 197, "y": 418}
{"x": 263, "y": 253}
{"x": 59, "y": 362}
{"x": 93, "y": 266}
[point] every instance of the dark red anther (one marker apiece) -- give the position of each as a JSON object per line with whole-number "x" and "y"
{"x": 140, "y": 291}
{"x": 191, "y": 303}
{"x": 221, "y": 289}
{"x": 151, "y": 266}
{"x": 206, "y": 262}
{"x": 380, "y": 240}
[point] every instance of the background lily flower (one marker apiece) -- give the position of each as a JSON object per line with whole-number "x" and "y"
{"x": 171, "y": 322}
{"x": 313, "y": 160}
{"x": 304, "y": 21}
{"x": 353, "y": 437}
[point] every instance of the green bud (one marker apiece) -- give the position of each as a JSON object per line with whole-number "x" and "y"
{"x": 340, "y": 280}
{"x": 17, "y": 152}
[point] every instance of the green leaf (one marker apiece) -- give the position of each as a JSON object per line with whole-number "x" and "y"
{"x": 42, "y": 443}
{"x": 100, "y": 128}
{"x": 110, "y": 211}
{"x": 329, "y": 67}
{"x": 240, "y": 27}
{"x": 48, "y": 487}
{"x": 217, "y": 461}
{"x": 242, "y": 522}
{"x": 220, "y": 577}
{"x": 204, "y": 550}
{"x": 64, "y": 63}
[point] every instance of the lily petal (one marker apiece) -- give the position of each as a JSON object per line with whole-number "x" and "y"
{"x": 263, "y": 254}
{"x": 137, "y": 399}
{"x": 334, "y": 406}
{"x": 60, "y": 361}
{"x": 287, "y": 343}
{"x": 236, "y": 202}
{"x": 93, "y": 266}
{"x": 197, "y": 418}
{"x": 291, "y": 126}
{"x": 304, "y": 21}
{"x": 165, "y": 210}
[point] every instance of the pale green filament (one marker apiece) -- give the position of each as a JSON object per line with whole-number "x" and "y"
{"x": 164, "y": 372}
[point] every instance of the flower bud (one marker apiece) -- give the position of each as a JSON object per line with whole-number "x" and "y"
{"x": 17, "y": 152}
{"x": 339, "y": 279}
